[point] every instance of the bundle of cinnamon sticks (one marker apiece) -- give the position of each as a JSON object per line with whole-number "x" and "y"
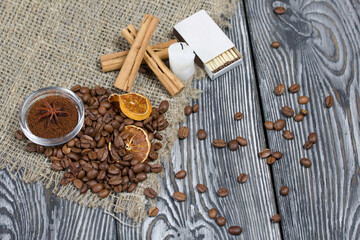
{"x": 140, "y": 52}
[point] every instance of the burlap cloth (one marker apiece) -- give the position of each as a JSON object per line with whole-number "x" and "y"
{"x": 58, "y": 43}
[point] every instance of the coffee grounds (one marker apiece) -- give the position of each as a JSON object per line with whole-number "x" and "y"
{"x": 39, "y": 126}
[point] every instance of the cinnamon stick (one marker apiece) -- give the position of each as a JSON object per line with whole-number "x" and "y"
{"x": 114, "y": 61}
{"x": 127, "y": 74}
{"x": 166, "y": 77}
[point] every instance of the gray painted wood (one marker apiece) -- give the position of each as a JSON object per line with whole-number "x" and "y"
{"x": 320, "y": 51}
{"x": 249, "y": 205}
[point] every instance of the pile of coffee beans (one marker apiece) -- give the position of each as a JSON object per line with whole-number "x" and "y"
{"x": 96, "y": 159}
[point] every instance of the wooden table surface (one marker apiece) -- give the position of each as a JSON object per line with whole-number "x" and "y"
{"x": 320, "y": 51}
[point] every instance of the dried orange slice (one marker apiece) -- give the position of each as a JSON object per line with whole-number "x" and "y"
{"x": 133, "y": 105}
{"x": 137, "y": 142}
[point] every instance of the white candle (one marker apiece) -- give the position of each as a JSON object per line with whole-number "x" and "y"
{"x": 181, "y": 58}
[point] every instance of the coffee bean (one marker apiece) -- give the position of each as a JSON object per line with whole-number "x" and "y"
{"x": 97, "y": 188}
{"x": 19, "y": 135}
{"x": 242, "y": 178}
{"x": 305, "y": 162}
{"x": 284, "y": 190}
{"x": 150, "y": 193}
{"x": 270, "y": 160}
{"x": 163, "y": 107}
{"x": 201, "y": 134}
{"x": 233, "y": 145}
{"x": 141, "y": 176}
{"x": 242, "y": 141}
{"x": 304, "y": 112}
{"x": 153, "y": 211}
{"x": 279, "y": 89}
{"x": 115, "y": 180}
{"x": 212, "y": 213}
{"x": 219, "y": 143}
{"x": 279, "y": 124}
{"x": 201, "y": 188}
{"x": 303, "y": 100}
{"x": 288, "y": 135}
{"x": 92, "y": 173}
{"x": 235, "y": 230}
{"x": 124, "y": 180}
{"x": 75, "y": 88}
{"x": 221, "y": 221}
{"x": 238, "y": 116}
{"x": 299, "y": 117}
{"x": 287, "y": 111}
{"x": 140, "y": 167}
{"x": 101, "y": 175}
{"x": 180, "y": 174}
{"x": 156, "y": 168}
{"x": 112, "y": 169}
{"x": 78, "y": 183}
{"x": 179, "y": 196}
{"x": 276, "y": 218}
{"x": 91, "y": 183}
{"x": 183, "y": 132}
{"x": 313, "y": 138}
{"x": 157, "y": 146}
{"x": 157, "y": 136}
{"x": 195, "y": 108}
{"x": 277, "y": 155}
{"x": 31, "y": 147}
{"x": 265, "y": 153}
{"x": 294, "y": 88}
{"x": 132, "y": 187}
{"x": 84, "y": 189}
{"x": 275, "y": 44}
{"x": 223, "y": 192}
{"x": 279, "y": 10}
{"x": 104, "y": 193}
{"x": 329, "y": 101}
{"x": 308, "y": 145}
{"x": 188, "y": 110}
{"x": 269, "y": 125}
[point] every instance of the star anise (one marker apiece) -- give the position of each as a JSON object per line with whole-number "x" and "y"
{"x": 51, "y": 112}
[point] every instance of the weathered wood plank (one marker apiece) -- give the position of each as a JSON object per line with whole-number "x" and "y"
{"x": 29, "y": 211}
{"x": 248, "y": 205}
{"x": 320, "y": 51}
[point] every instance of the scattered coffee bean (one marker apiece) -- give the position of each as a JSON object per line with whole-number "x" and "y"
{"x": 242, "y": 178}
{"x": 235, "y": 230}
{"x": 242, "y": 141}
{"x": 19, "y": 135}
{"x": 279, "y": 124}
{"x": 304, "y": 112}
{"x": 287, "y": 111}
{"x": 275, "y": 44}
{"x": 279, "y": 89}
{"x": 163, "y": 107}
{"x": 270, "y": 160}
{"x": 180, "y": 174}
{"x": 294, "y": 88}
{"x": 233, "y": 145}
{"x": 212, "y": 213}
{"x": 284, "y": 190}
{"x": 276, "y": 218}
{"x": 223, "y": 192}
{"x": 78, "y": 183}
{"x": 221, "y": 221}
{"x": 305, "y": 162}
{"x": 195, "y": 108}
{"x": 188, "y": 110}
{"x": 313, "y": 138}
{"x": 288, "y": 135}
{"x": 238, "y": 116}
{"x": 219, "y": 143}
{"x": 299, "y": 117}
{"x": 153, "y": 211}
{"x": 201, "y": 188}
{"x": 269, "y": 125}
{"x": 277, "y": 155}
{"x": 329, "y": 101}
{"x": 201, "y": 134}
{"x": 179, "y": 196}
{"x": 265, "y": 153}
{"x": 308, "y": 145}
{"x": 156, "y": 168}
{"x": 303, "y": 100}
{"x": 150, "y": 193}
{"x": 183, "y": 132}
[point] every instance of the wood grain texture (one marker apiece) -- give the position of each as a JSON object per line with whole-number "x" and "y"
{"x": 320, "y": 51}
{"x": 248, "y": 205}
{"x": 29, "y": 211}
